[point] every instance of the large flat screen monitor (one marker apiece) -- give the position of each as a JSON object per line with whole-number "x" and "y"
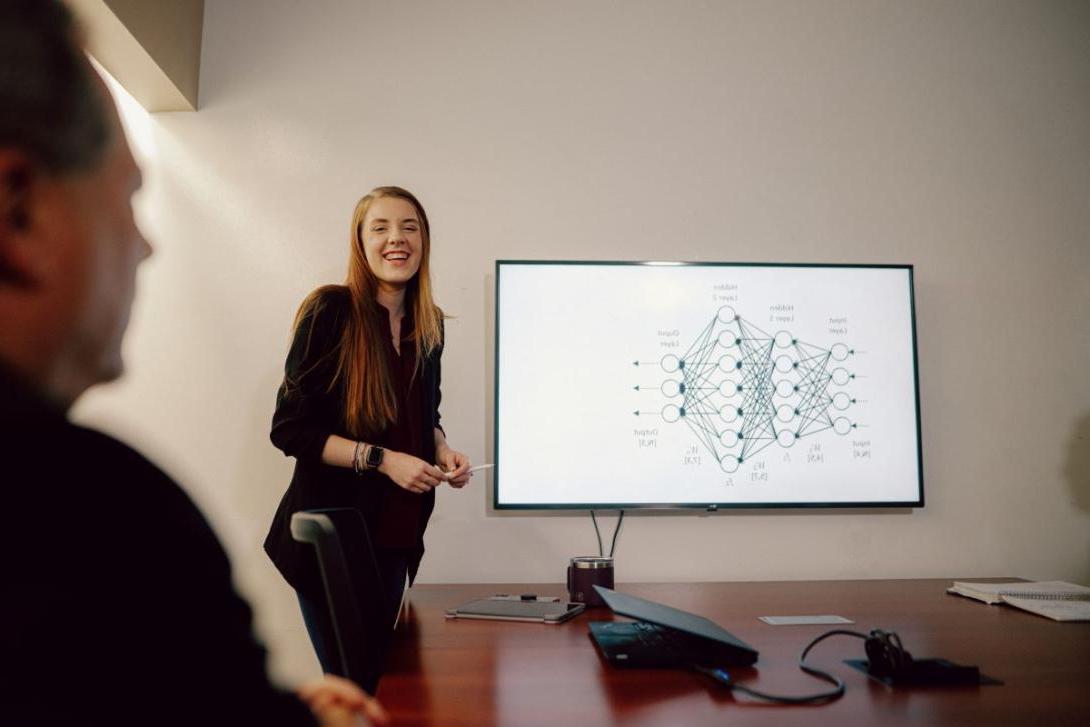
{"x": 624, "y": 385}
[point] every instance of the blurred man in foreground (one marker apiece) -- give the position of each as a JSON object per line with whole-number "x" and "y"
{"x": 117, "y": 604}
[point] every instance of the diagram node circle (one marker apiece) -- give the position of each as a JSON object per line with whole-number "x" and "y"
{"x": 785, "y": 438}
{"x": 784, "y": 364}
{"x": 839, "y": 352}
{"x": 785, "y": 413}
{"x": 783, "y": 339}
{"x": 670, "y": 363}
{"x": 784, "y": 388}
{"x": 728, "y": 363}
{"x": 671, "y": 413}
{"x": 671, "y": 388}
{"x": 729, "y": 463}
{"x": 842, "y": 400}
{"x": 726, "y": 314}
{"x": 841, "y": 376}
{"x": 729, "y": 438}
{"x": 727, "y": 388}
{"x": 729, "y": 414}
{"x": 842, "y": 426}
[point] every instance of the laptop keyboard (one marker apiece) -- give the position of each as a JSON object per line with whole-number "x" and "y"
{"x": 654, "y": 636}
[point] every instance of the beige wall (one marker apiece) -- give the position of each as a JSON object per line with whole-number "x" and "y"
{"x": 954, "y": 136}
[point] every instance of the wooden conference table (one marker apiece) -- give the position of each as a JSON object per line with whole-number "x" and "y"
{"x": 444, "y": 672}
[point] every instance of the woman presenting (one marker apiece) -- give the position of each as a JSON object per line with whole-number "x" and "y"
{"x": 359, "y": 406}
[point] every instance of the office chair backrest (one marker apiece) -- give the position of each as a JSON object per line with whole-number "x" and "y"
{"x": 353, "y": 589}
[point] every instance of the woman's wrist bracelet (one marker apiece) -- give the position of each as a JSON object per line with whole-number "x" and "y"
{"x": 357, "y": 462}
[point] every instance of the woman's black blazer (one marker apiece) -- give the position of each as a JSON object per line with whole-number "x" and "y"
{"x": 307, "y": 412}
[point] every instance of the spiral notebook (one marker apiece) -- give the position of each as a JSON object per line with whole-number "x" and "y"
{"x": 1057, "y": 600}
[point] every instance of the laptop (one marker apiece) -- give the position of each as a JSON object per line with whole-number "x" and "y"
{"x": 664, "y": 637}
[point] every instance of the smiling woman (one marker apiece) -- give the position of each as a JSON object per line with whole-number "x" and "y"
{"x": 359, "y": 406}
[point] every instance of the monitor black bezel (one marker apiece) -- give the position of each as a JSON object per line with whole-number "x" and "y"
{"x": 710, "y": 506}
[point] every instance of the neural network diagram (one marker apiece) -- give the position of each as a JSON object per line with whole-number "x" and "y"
{"x": 742, "y": 390}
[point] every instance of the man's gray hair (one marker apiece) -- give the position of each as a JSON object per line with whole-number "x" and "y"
{"x": 49, "y": 106}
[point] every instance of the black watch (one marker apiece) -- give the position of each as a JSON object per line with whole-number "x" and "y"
{"x": 374, "y": 457}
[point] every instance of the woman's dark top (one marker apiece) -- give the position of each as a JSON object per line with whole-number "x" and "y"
{"x": 400, "y": 522}
{"x": 308, "y": 412}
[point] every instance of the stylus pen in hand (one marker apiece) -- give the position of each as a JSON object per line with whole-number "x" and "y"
{"x": 471, "y": 470}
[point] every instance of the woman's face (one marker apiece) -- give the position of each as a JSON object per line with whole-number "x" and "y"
{"x": 392, "y": 241}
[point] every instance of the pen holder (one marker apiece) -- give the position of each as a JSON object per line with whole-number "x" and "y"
{"x": 584, "y": 573}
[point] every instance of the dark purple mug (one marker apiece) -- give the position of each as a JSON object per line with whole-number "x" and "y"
{"x": 585, "y": 572}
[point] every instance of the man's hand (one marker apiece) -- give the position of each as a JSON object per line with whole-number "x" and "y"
{"x": 337, "y": 702}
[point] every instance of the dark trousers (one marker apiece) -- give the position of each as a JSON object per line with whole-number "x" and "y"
{"x": 393, "y": 566}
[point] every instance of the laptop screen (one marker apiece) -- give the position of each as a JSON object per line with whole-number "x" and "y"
{"x": 656, "y": 613}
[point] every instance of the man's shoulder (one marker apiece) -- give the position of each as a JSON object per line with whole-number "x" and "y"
{"x": 83, "y": 504}
{"x": 75, "y": 467}
{"x": 103, "y": 454}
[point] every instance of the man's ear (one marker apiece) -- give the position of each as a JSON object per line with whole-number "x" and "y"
{"x": 21, "y": 260}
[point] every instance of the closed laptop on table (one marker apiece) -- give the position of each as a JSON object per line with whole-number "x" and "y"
{"x": 664, "y": 637}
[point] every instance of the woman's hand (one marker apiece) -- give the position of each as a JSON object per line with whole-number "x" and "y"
{"x": 335, "y": 701}
{"x": 455, "y": 464}
{"x": 411, "y": 473}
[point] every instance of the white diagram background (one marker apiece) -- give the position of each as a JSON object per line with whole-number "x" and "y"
{"x": 568, "y": 337}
